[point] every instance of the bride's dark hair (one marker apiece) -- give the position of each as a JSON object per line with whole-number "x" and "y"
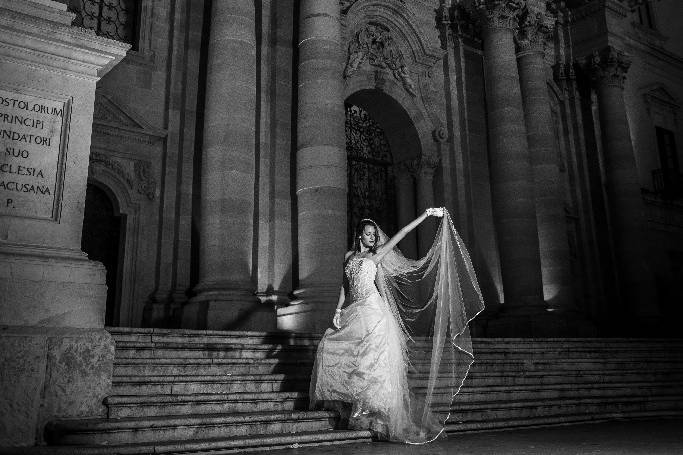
{"x": 359, "y": 231}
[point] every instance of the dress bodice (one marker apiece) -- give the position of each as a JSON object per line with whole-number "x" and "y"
{"x": 360, "y": 273}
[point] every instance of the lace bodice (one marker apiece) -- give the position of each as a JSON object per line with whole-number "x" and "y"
{"x": 360, "y": 273}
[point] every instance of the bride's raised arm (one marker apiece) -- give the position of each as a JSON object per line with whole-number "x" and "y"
{"x": 385, "y": 248}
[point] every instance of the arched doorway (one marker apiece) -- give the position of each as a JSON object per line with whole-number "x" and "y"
{"x": 370, "y": 172}
{"x": 381, "y": 144}
{"x": 102, "y": 241}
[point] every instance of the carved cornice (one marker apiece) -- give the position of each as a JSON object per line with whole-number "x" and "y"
{"x": 374, "y": 44}
{"x": 536, "y": 27}
{"x": 499, "y": 13}
{"x": 608, "y": 66}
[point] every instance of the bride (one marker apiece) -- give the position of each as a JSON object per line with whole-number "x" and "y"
{"x": 400, "y": 349}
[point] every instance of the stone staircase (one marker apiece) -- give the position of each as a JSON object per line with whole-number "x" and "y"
{"x": 201, "y": 392}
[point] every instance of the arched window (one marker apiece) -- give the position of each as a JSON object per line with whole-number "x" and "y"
{"x": 370, "y": 172}
{"x": 114, "y": 19}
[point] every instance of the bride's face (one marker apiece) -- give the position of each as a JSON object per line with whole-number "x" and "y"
{"x": 368, "y": 237}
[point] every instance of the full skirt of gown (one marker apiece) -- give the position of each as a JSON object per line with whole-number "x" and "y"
{"x": 363, "y": 364}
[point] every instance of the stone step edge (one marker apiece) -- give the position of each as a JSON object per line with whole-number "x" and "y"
{"x": 511, "y": 346}
{"x": 204, "y": 361}
{"x": 213, "y": 446}
{"x": 563, "y": 386}
{"x": 552, "y": 402}
{"x": 561, "y": 419}
{"x": 204, "y": 397}
{"x": 201, "y": 398}
{"x": 305, "y": 335}
{"x": 514, "y": 388}
{"x": 297, "y": 383}
{"x": 151, "y": 422}
{"x": 152, "y": 400}
{"x": 471, "y": 374}
{"x": 149, "y": 330}
{"x": 227, "y": 377}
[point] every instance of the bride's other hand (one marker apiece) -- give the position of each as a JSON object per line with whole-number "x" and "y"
{"x": 336, "y": 320}
{"x": 435, "y": 211}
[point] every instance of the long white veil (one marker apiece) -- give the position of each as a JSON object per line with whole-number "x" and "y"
{"x": 433, "y": 299}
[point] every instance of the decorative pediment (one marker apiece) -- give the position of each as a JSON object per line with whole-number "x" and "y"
{"x": 659, "y": 95}
{"x": 112, "y": 119}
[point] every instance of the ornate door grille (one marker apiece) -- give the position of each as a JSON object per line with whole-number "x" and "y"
{"x": 115, "y": 19}
{"x": 370, "y": 172}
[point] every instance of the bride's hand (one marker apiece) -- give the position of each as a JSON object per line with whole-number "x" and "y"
{"x": 336, "y": 320}
{"x": 435, "y": 211}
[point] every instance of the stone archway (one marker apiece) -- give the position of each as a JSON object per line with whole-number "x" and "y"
{"x": 103, "y": 240}
{"x": 112, "y": 180}
{"x": 389, "y": 168}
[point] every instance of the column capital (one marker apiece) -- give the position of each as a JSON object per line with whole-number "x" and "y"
{"x": 500, "y": 13}
{"x": 609, "y": 66}
{"x": 534, "y": 29}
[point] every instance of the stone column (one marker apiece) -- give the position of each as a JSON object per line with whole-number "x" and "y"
{"x": 424, "y": 169}
{"x": 321, "y": 168}
{"x": 405, "y": 207}
{"x": 552, "y": 225}
{"x": 55, "y": 356}
{"x": 512, "y": 183}
{"x": 225, "y": 293}
{"x": 608, "y": 69}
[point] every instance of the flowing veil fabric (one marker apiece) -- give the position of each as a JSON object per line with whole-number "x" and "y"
{"x": 433, "y": 299}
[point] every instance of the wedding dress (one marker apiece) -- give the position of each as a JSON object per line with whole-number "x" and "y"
{"x": 403, "y": 349}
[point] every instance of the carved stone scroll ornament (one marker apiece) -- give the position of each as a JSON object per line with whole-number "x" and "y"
{"x": 375, "y": 44}
{"x": 147, "y": 186}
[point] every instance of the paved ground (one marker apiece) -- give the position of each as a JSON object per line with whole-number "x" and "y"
{"x": 608, "y": 438}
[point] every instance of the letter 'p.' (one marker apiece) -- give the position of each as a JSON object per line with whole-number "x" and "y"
{"x": 10, "y": 203}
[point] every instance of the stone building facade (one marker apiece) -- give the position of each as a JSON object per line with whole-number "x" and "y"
{"x": 238, "y": 141}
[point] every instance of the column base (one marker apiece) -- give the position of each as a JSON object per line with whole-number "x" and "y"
{"x": 310, "y": 311}
{"x": 228, "y": 310}
{"x": 51, "y": 373}
{"x": 538, "y": 323}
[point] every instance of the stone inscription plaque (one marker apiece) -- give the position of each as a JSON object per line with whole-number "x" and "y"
{"x": 31, "y": 132}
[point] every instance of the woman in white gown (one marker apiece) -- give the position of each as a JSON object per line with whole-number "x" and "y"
{"x": 397, "y": 372}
